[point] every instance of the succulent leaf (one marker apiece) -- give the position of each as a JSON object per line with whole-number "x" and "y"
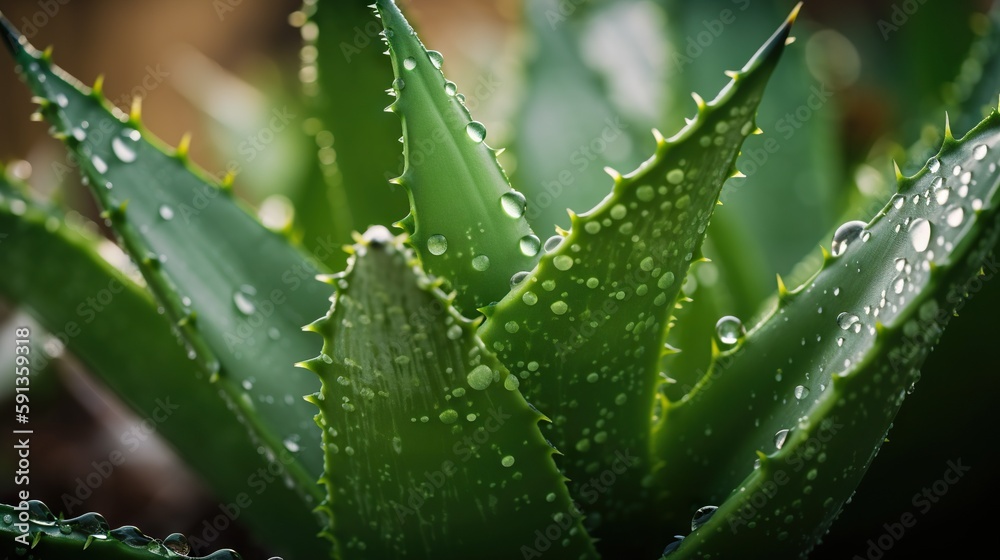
{"x": 585, "y": 329}
{"x": 430, "y": 449}
{"x": 237, "y": 292}
{"x": 30, "y": 528}
{"x": 81, "y": 299}
{"x": 816, "y": 413}
{"x": 465, "y": 221}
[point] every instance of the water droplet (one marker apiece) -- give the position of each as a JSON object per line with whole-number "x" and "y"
{"x": 675, "y": 176}
{"x": 123, "y": 151}
{"x": 979, "y": 152}
{"x": 847, "y": 320}
{"x": 529, "y": 298}
{"x": 702, "y": 516}
{"x": 897, "y": 201}
{"x": 563, "y": 262}
{"x": 665, "y": 281}
{"x": 511, "y": 383}
{"x": 780, "y": 437}
{"x": 518, "y": 277}
{"x": 437, "y": 244}
{"x": 62, "y": 101}
{"x": 241, "y": 298}
{"x": 645, "y": 193}
{"x": 449, "y": 416}
{"x": 559, "y": 307}
{"x": 513, "y": 204}
{"x": 507, "y": 461}
{"x": 530, "y": 245}
{"x": 512, "y": 327}
{"x": 674, "y": 545}
{"x": 844, "y": 235}
{"x": 481, "y": 263}
{"x": 801, "y": 392}
{"x": 941, "y": 196}
{"x": 409, "y": 63}
{"x": 729, "y": 330}
{"x": 899, "y": 284}
{"x": 476, "y": 130}
{"x": 450, "y": 89}
{"x": 920, "y": 234}
{"x": 955, "y": 216}
{"x": 99, "y": 165}
{"x": 480, "y": 377}
{"x": 437, "y": 59}
{"x": 901, "y": 264}
{"x": 166, "y": 212}
{"x": 552, "y": 243}
{"x": 454, "y": 332}
{"x": 934, "y": 165}
{"x": 291, "y": 446}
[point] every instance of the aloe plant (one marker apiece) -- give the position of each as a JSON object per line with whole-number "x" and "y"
{"x": 470, "y": 385}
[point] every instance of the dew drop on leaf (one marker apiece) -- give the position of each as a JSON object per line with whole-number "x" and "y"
{"x": 123, "y": 151}
{"x": 518, "y": 277}
{"x": 780, "y": 437}
{"x": 437, "y": 244}
{"x": 844, "y": 235}
{"x": 166, "y": 212}
{"x": 920, "y": 234}
{"x": 729, "y": 330}
{"x": 979, "y": 152}
{"x": 847, "y": 320}
{"x": 955, "y": 216}
{"x": 702, "y": 516}
{"x": 513, "y": 204}
{"x": 476, "y": 130}
{"x": 530, "y": 245}
{"x": 481, "y": 263}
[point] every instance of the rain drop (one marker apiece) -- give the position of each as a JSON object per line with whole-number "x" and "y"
{"x": 801, "y": 392}
{"x": 437, "y": 244}
{"x": 955, "y": 216}
{"x": 844, "y": 235}
{"x": 122, "y": 151}
{"x": 934, "y": 165}
{"x": 166, "y": 212}
{"x": 552, "y": 243}
{"x": 729, "y": 330}
{"x": 437, "y": 59}
{"x": 979, "y": 152}
{"x": 507, "y": 461}
{"x": 513, "y": 204}
{"x": 702, "y": 516}
{"x": 847, "y": 320}
{"x": 530, "y": 245}
{"x": 480, "y": 377}
{"x": 563, "y": 262}
{"x": 780, "y": 437}
{"x": 99, "y": 164}
{"x": 481, "y": 263}
{"x": 476, "y": 130}
{"x": 242, "y": 299}
{"x": 920, "y": 234}
{"x": 409, "y": 63}
{"x": 518, "y": 277}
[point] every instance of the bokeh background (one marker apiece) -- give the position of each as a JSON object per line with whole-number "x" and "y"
{"x": 886, "y": 84}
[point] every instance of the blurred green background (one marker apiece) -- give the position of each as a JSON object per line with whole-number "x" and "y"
{"x": 867, "y": 80}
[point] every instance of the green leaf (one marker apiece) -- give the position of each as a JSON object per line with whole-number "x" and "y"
{"x": 31, "y": 528}
{"x": 236, "y": 292}
{"x": 345, "y": 77}
{"x": 816, "y": 413}
{"x": 465, "y": 221}
{"x": 113, "y": 327}
{"x": 567, "y": 129}
{"x": 585, "y": 329}
{"x": 431, "y": 450}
